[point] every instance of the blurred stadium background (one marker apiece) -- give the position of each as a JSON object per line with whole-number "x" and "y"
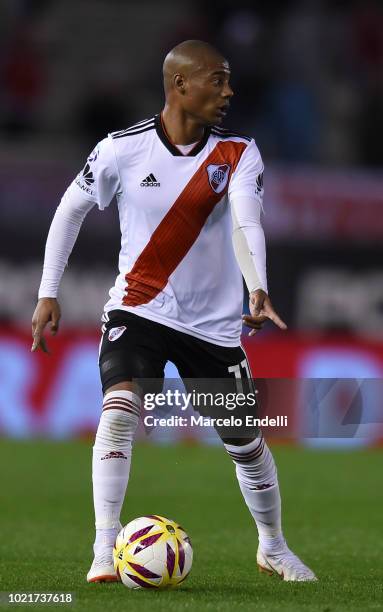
{"x": 308, "y": 78}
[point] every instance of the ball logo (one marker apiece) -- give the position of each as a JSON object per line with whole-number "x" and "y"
{"x": 116, "y": 332}
{"x": 218, "y": 176}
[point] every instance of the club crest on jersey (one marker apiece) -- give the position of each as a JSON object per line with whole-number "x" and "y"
{"x": 116, "y": 332}
{"x": 218, "y": 176}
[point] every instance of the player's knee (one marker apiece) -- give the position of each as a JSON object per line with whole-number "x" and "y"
{"x": 125, "y": 385}
{"x": 238, "y": 436}
{"x": 120, "y": 371}
{"x": 237, "y": 441}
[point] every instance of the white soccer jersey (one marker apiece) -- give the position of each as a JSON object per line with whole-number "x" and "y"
{"x": 176, "y": 265}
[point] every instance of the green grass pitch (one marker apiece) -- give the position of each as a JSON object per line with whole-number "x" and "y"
{"x": 332, "y": 511}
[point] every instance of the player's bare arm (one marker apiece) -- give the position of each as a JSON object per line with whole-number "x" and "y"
{"x": 47, "y": 310}
{"x": 261, "y": 310}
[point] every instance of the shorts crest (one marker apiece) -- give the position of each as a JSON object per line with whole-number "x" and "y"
{"x": 116, "y": 332}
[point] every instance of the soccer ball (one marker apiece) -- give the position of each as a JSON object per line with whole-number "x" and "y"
{"x": 152, "y": 552}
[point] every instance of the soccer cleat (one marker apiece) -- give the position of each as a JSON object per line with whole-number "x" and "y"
{"x": 102, "y": 569}
{"x": 286, "y": 565}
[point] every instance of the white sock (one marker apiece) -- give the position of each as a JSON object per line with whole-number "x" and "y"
{"x": 112, "y": 452}
{"x": 104, "y": 542}
{"x": 258, "y": 481}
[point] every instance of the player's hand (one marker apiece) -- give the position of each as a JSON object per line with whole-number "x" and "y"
{"x": 47, "y": 309}
{"x": 261, "y": 309}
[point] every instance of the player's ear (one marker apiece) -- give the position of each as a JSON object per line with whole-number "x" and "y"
{"x": 179, "y": 83}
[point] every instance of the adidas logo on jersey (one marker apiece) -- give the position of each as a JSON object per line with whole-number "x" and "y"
{"x": 150, "y": 181}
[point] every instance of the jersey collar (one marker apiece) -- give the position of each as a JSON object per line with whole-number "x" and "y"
{"x": 161, "y": 133}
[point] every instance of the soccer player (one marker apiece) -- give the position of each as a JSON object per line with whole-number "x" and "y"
{"x": 189, "y": 196}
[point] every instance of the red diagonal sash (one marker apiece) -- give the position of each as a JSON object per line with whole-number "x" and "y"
{"x": 179, "y": 229}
